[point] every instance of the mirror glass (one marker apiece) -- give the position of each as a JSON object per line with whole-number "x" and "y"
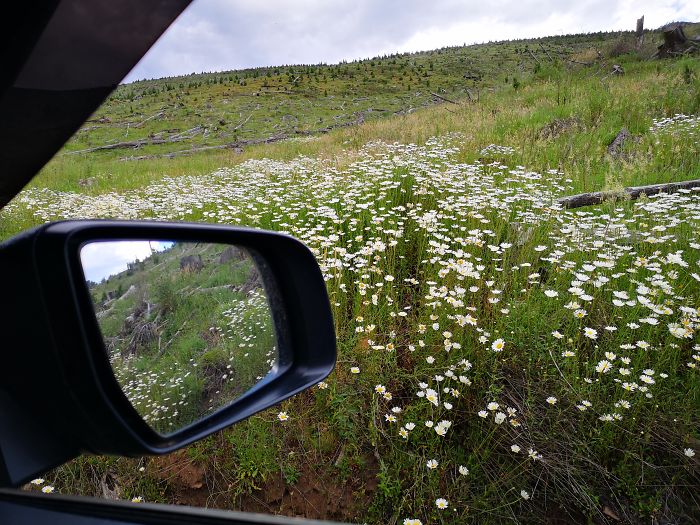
{"x": 187, "y": 326}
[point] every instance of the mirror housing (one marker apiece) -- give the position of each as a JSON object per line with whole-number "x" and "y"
{"x": 58, "y": 394}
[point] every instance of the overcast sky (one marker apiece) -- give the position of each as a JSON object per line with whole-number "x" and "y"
{"x": 219, "y": 35}
{"x": 104, "y": 258}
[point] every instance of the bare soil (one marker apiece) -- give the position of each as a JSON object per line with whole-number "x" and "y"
{"x": 318, "y": 494}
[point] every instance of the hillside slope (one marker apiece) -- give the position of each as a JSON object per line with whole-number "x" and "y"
{"x": 216, "y": 117}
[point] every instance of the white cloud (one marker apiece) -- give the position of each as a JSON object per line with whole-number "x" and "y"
{"x": 219, "y": 35}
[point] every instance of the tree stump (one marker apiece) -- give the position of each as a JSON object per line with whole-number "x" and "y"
{"x": 615, "y": 147}
{"x": 675, "y": 42}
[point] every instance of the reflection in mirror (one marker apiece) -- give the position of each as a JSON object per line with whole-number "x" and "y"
{"x": 187, "y": 325}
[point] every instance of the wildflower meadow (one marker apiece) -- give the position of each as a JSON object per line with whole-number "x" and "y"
{"x": 500, "y": 357}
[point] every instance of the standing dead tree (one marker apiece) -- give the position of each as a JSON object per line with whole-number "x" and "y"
{"x": 639, "y": 33}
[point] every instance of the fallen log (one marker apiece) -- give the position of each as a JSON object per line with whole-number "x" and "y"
{"x": 534, "y": 57}
{"x": 630, "y": 193}
{"x": 131, "y": 144}
{"x": 238, "y": 145}
{"x": 157, "y": 115}
{"x": 135, "y": 144}
{"x": 546, "y": 52}
{"x": 187, "y": 134}
{"x": 443, "y": 98}
{"x": 101, "y": 120}
{"x": 243, "y": 122}
{"x": 357, "y": 121}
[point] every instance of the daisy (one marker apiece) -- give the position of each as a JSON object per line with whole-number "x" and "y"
{"x": 590, "y": 333}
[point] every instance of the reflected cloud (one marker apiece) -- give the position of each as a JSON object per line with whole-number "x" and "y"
{"x": 104, "y": 258}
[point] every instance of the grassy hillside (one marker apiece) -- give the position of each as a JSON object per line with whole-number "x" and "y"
{"x": 500, "y": 359}
{"x": 178, "y": 115}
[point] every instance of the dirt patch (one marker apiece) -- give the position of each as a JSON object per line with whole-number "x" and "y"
{"x": 318, "y": 493}
{"x": 185, "y": 479}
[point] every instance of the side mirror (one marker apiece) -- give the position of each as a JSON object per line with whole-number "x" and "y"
{"x": 131, "y": 338}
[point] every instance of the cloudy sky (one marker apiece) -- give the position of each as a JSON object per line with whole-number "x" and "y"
{"x": 104, "y": 258}
{"x": 219, "y": 35}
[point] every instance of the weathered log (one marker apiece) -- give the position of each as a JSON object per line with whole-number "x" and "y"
{"x": 443, "y": 98}
{"x": 131, "y": 144}
{"x": 237, "y": 146}
{"x": 101, "y": 120}
{"x": 534, "y": 57}
{"x": 157, "y": 115}
{"x": 243, "y": 122}
{"x": 276, "y": 92}
{"x": 187, "y": 134}
{"x": 630, "y": 193}
{"x": 135, "y": 144}
{"x": 546, "y": 52}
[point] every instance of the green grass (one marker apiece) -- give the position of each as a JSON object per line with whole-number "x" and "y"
{"x": 422, "y": 229}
